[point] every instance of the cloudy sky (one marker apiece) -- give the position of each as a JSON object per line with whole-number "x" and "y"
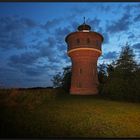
{"x": 32, "y": 36}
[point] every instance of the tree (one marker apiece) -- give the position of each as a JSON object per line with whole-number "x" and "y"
{"x": 57, "y": 80}
{"x": 102, "y": 73}
{"x": 63, "y": 80}
{"x": 102, "y": 76}
{"x": 121, "y": 77}
{"x": 66, "y": 82}
{"x": 126, "y": 63}
{"x": 110, "y": 68}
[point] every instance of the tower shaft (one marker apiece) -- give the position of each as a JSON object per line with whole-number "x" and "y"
{"x": 84, "y": 72}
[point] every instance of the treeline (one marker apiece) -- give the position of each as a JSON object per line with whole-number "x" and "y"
{"x": 119, "y": 80}
{"x": 30, "y": 88}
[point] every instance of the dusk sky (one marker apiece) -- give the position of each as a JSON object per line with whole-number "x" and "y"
{"x": 32, "y": 36}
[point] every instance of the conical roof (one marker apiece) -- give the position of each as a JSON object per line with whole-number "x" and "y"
{"x": 84, "y": 27}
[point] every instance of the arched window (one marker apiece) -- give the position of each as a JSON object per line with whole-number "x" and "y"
{"x": 88, "y": 40}
{"x": 80, "y": 71}
{"x": 79, "y": 85}
{"x": 78, "y": 41}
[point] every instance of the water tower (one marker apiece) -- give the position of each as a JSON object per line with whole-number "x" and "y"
{"x": 84, "y": 48}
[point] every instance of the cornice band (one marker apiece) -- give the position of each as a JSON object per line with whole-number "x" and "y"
{"x": 91, "y": 49}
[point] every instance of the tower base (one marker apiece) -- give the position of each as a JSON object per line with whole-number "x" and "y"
{"x": 84, "y": 91}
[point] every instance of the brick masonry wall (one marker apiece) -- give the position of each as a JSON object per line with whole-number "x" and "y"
{"x": 84, "y": 72}
{"x": 84, "y": 48}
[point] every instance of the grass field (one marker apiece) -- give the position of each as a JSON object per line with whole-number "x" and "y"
{"x": 47, "y": 113}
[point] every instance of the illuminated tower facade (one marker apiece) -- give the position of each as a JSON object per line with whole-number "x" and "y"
{"x": 84, "y": 48}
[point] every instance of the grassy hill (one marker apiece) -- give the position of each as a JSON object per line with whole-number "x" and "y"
{"x": 48, "y": 113}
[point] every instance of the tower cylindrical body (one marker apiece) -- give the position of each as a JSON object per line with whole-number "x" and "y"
{"x": 84, "y": 48}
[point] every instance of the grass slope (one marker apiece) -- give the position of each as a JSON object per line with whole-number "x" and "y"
{"x": 47, "y": 113}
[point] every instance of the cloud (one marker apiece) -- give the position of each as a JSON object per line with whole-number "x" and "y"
{"x": 74, "y": 26}
{"x": 136, "y": 46}
{"x": 8, "y": 77}
{"x": 79, "y": 10}
{"x": 28, "y": 68}
{"x": 35, "y": 70}
{"x": 49, "y": 53}
{"x": 12, "y": 31}
{"x": 46, "y": 51}
{"x": 51, "y": 24}
{"x": 25, "y": 77}
{"x": 106, "y": 37}
{"x": 28, "y": 23}
{"x": 51, "y": 41}
{"x": 121, "y": 25}
{"x": 135, "y": 7}
{"x": 51, "y": 48}
{"x": 61, "y": 33}
{"x": 16, "y": 23}
{"x": 94, "y": 23}
{"x": 131, "y": 35}
{"x": 37, "y": 33}
{"x": 25, "y": 58}
{"x": 12, "y": 41}
{"x": 137, "y": 18}
{"x": 105, "y": 8}
{"x": 110, "y": 55}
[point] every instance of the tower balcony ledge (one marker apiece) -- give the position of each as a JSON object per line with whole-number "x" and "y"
{"x": 84, "y": 51}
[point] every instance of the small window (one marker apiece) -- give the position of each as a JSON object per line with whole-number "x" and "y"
{"x": 78, "y": 41}
{"x": 93, "y": 72}
{"x": 79, "y": 85}
{"x": 80, "y": 70}
{"x": 88, "y": 40}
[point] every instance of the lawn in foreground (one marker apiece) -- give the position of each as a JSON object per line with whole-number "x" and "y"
{"x": 43, "y": 113}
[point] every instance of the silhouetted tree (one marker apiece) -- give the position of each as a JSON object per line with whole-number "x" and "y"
{"x": 66, "y": 82}
{"x": 63, "y": 80}
{"x": 126, "y": 63}
{"x": 102, "y": 73}
{"x": 57, "y": 80}
{"x": 121, "y": 76}
{"x": 110, "y": 69}
{"x": 102, "y": 76}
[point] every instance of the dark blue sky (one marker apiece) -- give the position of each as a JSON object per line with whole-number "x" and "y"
{"x": 32, "y": 36}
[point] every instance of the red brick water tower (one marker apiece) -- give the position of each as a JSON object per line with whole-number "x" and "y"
{"x": 84, "y": 48}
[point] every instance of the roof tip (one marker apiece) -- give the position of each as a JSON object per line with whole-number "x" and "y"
{"x": 84, "y": 26}
{"x": 84, "y": 21}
